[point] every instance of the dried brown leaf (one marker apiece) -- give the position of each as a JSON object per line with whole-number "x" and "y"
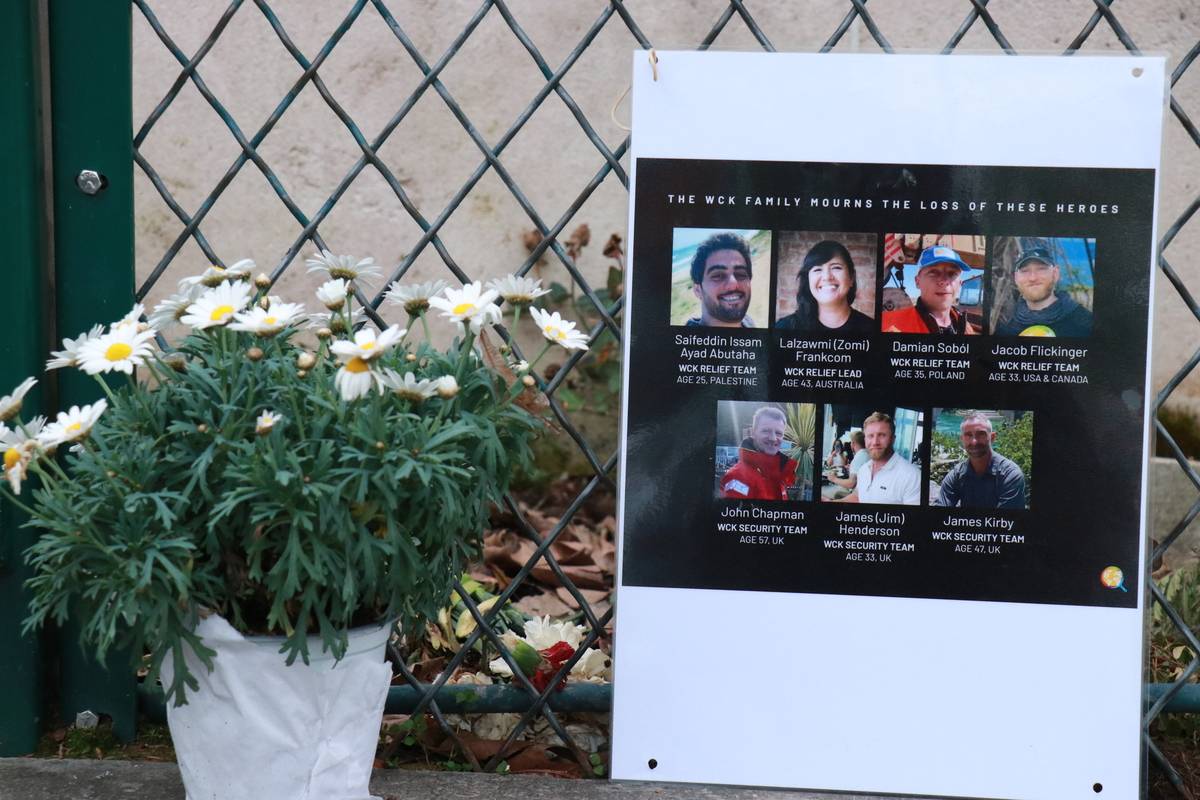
{"x": 543, "y": 604}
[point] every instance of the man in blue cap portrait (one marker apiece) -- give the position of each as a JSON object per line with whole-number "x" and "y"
{"x": 939, "y": 279}
{"x": 1043, "y": 310}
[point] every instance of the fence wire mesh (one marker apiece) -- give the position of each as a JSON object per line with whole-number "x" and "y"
{"x": 600, "y": 164}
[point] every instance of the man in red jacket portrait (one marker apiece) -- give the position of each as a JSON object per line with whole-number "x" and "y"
{"x": 761, "y": 471}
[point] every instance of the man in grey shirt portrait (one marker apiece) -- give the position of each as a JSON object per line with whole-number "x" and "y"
{"x": 984, "y": 479}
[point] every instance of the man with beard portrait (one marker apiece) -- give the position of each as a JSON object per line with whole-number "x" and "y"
{"x": 721, "y": 275}
{"x": 984, "y": 479}
{"x": 1042, "y": 309}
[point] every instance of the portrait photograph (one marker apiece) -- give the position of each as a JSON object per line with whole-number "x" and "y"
{"x": 825, "y": 282}
{"x": 765, "y": 451}
{"x": 872, "y": 454}
{"x": 933, "y": 283}
{"x": 1042, "y": 286}
{"x": 720, "y": 278}
{"x": 981, "y": 458}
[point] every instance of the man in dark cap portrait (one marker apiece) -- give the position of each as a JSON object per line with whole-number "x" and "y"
{"x": 1042, "y": 309}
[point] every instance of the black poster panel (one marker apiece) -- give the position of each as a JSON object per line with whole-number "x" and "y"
{"x": 1076, "y": 394}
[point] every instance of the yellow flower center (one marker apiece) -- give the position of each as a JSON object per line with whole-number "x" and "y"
{"x": 11, "y": 456}
{"x": 560, "y": 334}
{"x": 117, "y": 351}
{"x": 74, "y": 426}
{"x": 462, "y": 308}
{"x": 220, "y": 312}
{"x": 269, "y": 321}
{"x": 367, "y": 345}
{"x": 356, "y": 365}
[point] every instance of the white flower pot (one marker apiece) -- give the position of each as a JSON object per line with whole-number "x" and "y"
{"x": 259, "y": 729}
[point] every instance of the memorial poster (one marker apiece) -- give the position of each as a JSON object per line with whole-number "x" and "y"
{"x": 856, "y": 380}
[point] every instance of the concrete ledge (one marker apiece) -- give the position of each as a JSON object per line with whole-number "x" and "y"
{"x": 60, "y": 779}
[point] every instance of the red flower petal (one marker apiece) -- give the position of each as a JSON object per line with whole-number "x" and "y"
{"x": 558, "y": 653}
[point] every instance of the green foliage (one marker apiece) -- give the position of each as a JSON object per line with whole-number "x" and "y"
{"x": 802, "y": 432}
{"x": 1170, "y": 651}
{"x": 343, "y": 513}
{"x": 1182, "y": 590}
{"x": 595, "y": 384}
{"x": 1015, "y": 442}
{"x": 85, "y": 742}
{"x": 946, "y": 451}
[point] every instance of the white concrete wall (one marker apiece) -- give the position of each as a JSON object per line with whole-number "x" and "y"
{"x": 493, "y": 78}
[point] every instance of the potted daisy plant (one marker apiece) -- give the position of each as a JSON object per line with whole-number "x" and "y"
{"x": 250, "y": 507}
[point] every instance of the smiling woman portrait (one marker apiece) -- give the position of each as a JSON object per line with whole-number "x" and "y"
{"x": 825, "y": 290}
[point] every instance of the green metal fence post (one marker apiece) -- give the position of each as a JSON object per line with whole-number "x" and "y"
{"x": 92, "y": 120}
{"x": 22, "y": 227}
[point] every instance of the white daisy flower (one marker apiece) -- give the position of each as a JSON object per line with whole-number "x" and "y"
{"x": 469, "y": 304}
{"x": 217, "y": 306}
{"x": 408, "y": 387}
{"x": 268, "y": 321}
{"x": 414, "y": 298}
{"x": 521, "y": 367}
{"x": 19, "y": 447}
{"x": 518, "y": 290}
{"x": 366, "y": 344}
{"x": 333, "y": 293}
{"x": 71, "y": 425}
{"x": 120, "y": 350}
{"x": 10, "y": 404}
{"x": 265, "y": 422}
{"x": 559, "y": 330}
{"x": 69, "y": 355}
{"x": 235, "y": 272}
{"x": 446, "y": 387}
{"x": 10, "y": 437}
{"x": 354, "y": 379}
{"x": 16, "y": 463}
{"x": 344, "y": 267}
{"x": 130, "y": 321}
{"x": 172, "y": 308}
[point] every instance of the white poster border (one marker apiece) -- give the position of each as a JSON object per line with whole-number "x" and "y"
{"x": 883, "y": 694}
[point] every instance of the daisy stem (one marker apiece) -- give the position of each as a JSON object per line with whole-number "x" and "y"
{"x": 12, "y": 498}
{"x": 348, "y": 310}
{"x": 545, "y": 349}
{"x": 104, "y": 385}
{"x": 468, "y": 345}
{"x": 152, "y": 364}
{"x": 48, "y": 480}
{"x": 425, "y": 326}
{"x": 57, "y": 468}
{"x": 298, "y": 417}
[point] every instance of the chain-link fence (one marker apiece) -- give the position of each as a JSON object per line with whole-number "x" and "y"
{"x": 447, "y": 72}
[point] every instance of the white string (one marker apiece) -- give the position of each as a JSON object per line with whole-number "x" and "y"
{"x": 613, "y": 111}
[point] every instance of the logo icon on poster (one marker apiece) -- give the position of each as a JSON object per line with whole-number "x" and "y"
{"x": 1113, "y": 578}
